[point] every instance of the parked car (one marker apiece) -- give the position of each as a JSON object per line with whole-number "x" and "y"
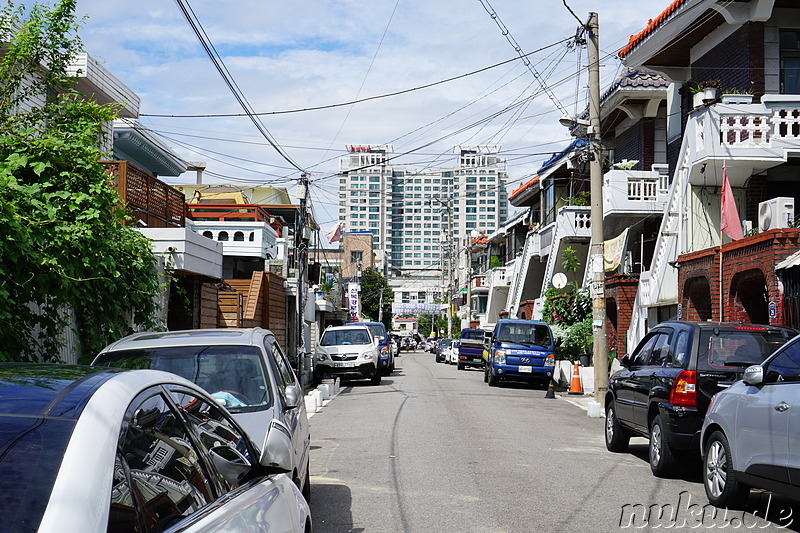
{"x": 378, "y": 330}
{"x": 349, "y": 352}
{"x": 452, "y": 352}
{"x": 471, "y": 347}
{"x": 519, "y": 350}
{"x": 245, "y": 370}
{"x": 88, "y": 449}
{"x": 395, "y": 344}
{"x": 432, "y": 344}
{"x": 441, "y": 346}
{"x": 666, "y": 383}
{"x": 750, "y": 435}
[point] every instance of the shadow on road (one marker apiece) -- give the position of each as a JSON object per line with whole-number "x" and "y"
{"x": 330, "y": 508}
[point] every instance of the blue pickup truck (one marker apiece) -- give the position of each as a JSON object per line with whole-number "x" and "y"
{"x": 470, "y": 350}
{"x": 520, "y": 350}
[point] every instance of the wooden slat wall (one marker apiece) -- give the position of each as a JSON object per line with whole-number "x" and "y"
{"x": 260, "y": 301}
{"x": 208, "y": 306}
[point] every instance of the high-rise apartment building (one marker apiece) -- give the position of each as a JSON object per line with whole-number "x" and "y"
{"x": 419, "y": 217}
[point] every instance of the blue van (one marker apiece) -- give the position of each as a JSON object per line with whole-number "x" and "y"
{"x": 470, "y": 350}
{"x": 520, "y": 350}
{"x": 378, "y": 330}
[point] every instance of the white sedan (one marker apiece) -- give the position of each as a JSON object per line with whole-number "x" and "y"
{"x": 95, "y": 449}
{"x": 452, "y": 353}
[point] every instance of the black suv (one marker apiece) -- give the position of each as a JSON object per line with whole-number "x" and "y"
{"x": 665, "y": 385}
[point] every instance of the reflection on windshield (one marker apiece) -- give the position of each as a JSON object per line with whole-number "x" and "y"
{"x": 525, "y": 334}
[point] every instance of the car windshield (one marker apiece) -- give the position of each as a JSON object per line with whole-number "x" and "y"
{"x": 525, "y": 334}
{"x": 377, "y": 331}
{"x": 739, "y": 347}
{"x": 335, "y": 337}
{"x": 234, "y": 375}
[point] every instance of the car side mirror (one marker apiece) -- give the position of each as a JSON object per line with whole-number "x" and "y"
{"x": 277, "y": 454}
{"x": 292, "y": 396}
{"x": 230, "y": 463}
{"x": 626, "y": 360}
{"x": 557, "y": 342}
{"x": 754, "y": 375}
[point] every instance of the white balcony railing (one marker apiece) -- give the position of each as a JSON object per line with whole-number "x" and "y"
{"x": 635, "y": 191}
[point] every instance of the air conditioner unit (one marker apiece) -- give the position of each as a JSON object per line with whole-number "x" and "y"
{"x": 776, "y": 213}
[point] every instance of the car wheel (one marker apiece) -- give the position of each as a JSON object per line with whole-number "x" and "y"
{"x": 307, "y": 485}
{"x": 617, "y": 439}
{"x": 493, "y": 380}
{"x": 376, "y": 377}
{"x": 719, "y": 479}
{"x": 662, "y": 460}
{"x": 460, "y": 366}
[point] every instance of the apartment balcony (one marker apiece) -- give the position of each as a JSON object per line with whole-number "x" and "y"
{"x": 628, "y": 193}
{"x": 149, "y": 201}
{"x": 496, "y": 277}
{"x": 573, "y": 222}
{"x": 478, "y": 285}
{"x": 748, "y": 138}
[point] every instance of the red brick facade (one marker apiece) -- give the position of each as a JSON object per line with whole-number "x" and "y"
{"x": 751, "y": 291}
{"x": 620, "y": 296}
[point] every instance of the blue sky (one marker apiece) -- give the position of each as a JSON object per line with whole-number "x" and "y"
{"x": 296, "y": 55}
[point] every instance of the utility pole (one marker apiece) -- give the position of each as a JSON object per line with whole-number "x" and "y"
{"x": 600, "y": 352}
{"x": 301, "y": 246}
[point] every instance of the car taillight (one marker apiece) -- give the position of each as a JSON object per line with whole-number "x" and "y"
{"x": 684, "y": 389}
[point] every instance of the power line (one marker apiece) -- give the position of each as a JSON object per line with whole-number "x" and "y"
{"x": 212, "y": 53}
{"x": 361, "y": 100}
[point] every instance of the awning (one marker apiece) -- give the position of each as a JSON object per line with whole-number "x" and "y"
{"x": 791, "y": 261}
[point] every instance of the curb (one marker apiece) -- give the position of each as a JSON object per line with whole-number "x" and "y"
{"x": 321, "y": 396}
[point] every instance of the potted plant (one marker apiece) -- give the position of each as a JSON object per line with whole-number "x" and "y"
{"x": 736, "y": 96}
{"x": 705, "y": 92}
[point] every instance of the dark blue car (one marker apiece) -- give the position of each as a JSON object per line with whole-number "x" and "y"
{"x": 378, "y": 330}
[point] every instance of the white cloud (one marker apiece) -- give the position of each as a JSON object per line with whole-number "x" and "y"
{"x": 296, "y": 55}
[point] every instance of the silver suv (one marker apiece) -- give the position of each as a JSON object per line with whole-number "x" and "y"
{"x": 348, "y": 351}
{"x": 245, "y": 370}
{"x": 750, "y": 435}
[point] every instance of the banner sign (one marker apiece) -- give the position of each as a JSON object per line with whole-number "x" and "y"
{"x": 354, "y": 304}
{"x": 414, "y": 308}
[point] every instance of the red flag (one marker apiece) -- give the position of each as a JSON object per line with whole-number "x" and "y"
{"x": 335, "y": 234}
{"x": 729, "y": 222}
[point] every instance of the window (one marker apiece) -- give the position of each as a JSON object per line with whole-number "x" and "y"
{"x": 790, "y": 61}
{"x": 238, "y": 236}
{"x": 356, "y": 256}
{"x": 786, "y": 366}
{"x": 284, "y": 373}
{"x": 160, "y": 465}
{"x": 223, "y": 236}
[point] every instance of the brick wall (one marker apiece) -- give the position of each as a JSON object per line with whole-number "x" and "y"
{"x": 749, "y": 280}
{"x": 620, "y": 296}
{"x": 738, "y": 61}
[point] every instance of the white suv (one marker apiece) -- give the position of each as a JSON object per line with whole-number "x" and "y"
{"x": 349, "y": 352}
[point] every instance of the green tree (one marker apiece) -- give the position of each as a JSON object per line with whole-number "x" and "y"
{"x": 65, "y": 247}
{"x": 373, "y": 286}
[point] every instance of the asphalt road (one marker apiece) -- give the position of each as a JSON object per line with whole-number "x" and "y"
{"x": 436, "y": 449}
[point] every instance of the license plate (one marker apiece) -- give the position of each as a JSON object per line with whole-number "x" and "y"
{"x": 526, "y": 369}
{"x": 477, "y": 360}
{"x": 344, "y": 364}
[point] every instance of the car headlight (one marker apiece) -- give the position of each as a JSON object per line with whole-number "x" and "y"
{"x": 322, "y": 356}
{"x": 499, "y": 357}
{"x": 384, "y": 352}
{"x": 550, "y": 360}
{"x": 368, "y": 355}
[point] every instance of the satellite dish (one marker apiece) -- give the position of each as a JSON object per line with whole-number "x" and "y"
{"x": 559, "y": 280}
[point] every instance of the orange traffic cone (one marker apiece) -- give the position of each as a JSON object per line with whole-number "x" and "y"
{"x": 576, "y": 387}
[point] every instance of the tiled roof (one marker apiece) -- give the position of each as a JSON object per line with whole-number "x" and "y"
{"x": 480, "y": 239}
{"x": 637, "y": 79}
{"x": 523, "y": 186}
{"x": 652, "y": 24}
